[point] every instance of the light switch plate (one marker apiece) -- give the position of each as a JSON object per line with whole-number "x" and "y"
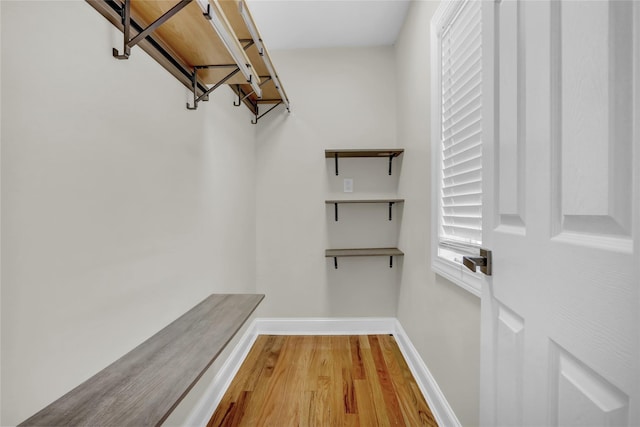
{"x": 348, "y": 185}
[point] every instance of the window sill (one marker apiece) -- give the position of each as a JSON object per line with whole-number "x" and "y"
{"x": 458, "y": 274}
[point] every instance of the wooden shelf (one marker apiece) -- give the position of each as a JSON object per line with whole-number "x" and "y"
{"x": 187, "y": 40}
{"x": 390, "y": 152}
{"x": 369, "y": 152}
{"x": 333, "y": 253}
{"x": 331, "y": 202}
{"x": 362, "y": 252}
{"x": 144, "y": 386}
{"x": 391, "y": 202}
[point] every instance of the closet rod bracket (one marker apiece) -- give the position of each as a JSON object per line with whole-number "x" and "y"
{"x": 258, "y": 117}
{"x": 128, "y": 42}
{"x": 205, "y": 95}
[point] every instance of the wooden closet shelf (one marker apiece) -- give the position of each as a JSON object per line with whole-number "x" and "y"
{"x": 145, "y": 385}
{"x": 331, "y": 202}
{"x": 337, "y": 253}
{"x": 391, "y": 152}
{"x": 374, "y": 152}
{"x": 186, "y": 42}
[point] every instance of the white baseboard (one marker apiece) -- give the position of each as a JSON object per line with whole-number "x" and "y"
{"x": 440, "y": 408}
{"x": 442, "y": 412}
{"x": 215, "y": 391}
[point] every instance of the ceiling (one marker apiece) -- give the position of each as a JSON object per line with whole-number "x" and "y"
{"x": 297, "y": 24}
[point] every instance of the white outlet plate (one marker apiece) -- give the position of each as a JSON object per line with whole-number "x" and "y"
{"x": 348, "y": 185}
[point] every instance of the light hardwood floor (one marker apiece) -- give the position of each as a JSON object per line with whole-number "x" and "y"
{"x": 323, "y": 381}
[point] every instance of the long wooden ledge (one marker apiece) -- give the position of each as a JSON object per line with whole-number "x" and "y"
{"x": 144, "y": 386}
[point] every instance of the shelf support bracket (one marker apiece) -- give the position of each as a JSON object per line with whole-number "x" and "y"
{"x": 126, "y": 21}
{"x": 237, "y": 104}
{"x": 336, "y": 157}
{"x": 336, "y": 210}
{"x": 391, "y": 261}
{"x": 249, "y": 42}
{"x": 390, "y": 211}
{"x": 335, "y": 262}
{"x": 258, "y": 117}
{"x": 390, "y": 162}
{"x": 194, "y": 83}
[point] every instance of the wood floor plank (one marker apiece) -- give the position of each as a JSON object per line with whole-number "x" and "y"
{"x": 415, "y": 410}
{"x": 323, "y": 381}
{"x": 356, "y": 358}
{"x": 371, "y": 374}
{"x": 366, "y": 411}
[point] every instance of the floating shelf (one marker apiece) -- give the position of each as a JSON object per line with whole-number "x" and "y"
{"x": 362, "y": 252}
{"x": 203, "y": 43}
{"x": 391, "y": 202}
{"x": 369, "y": 152}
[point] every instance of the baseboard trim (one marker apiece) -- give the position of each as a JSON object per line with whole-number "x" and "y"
{"x": 441, "y": 409}
{"x": 439, "y": 405}
{"x": 214, "y": 393}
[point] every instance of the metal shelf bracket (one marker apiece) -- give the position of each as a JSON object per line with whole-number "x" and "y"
{"x": 239, "y": 91}
{"x": 126, "y": 21}
{"x": 258, "y": 117}
{"x": 205, "y": 95}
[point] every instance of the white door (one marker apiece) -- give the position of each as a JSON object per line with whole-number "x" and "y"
{"x": 561, "y": 313}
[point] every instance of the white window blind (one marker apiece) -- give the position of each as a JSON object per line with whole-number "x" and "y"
{"x": 461, "y": 134}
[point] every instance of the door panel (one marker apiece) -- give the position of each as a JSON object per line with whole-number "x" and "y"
{"x": 560, "y": 315}
{"x": 592, "y": 69}
{"x": 580, "y": 397}
{"x": 510, "y": 349}
{"x": 510, "y": 134}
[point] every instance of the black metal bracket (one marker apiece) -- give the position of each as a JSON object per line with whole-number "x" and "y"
{"x": 194, "y": 83}
{"x": 239, "y": 91}
{"x": 126, "y": 21}
{"x": 258, "y": 117}
{"x": 390, "y": 163}
{"x": 336, "y": 210}
{"x": 249, "y": 43}
{"x": 335, "y": 262}
{"x": 207, "y": 14}
{"x": 336, "y": 157}
{"x": 390, "y": 210}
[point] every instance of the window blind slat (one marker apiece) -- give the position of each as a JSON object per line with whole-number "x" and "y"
{"x": 473, "y": 211}
{"x": 462, "y": 112}
{"x": 461, "y": 127}
{"x": 463, "y": 200}
{"x": 465, "y": 56}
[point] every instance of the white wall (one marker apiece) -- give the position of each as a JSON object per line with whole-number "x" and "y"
{"x": 442, "y": 320}
{"x": 120, "y": 208}
{"x": 341, "y": 98}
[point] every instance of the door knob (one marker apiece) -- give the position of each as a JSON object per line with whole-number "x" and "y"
{"x": 483, "y": 261}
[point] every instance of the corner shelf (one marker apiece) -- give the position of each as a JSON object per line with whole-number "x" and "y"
{"x": 362, "y": 252}
{"x": 391, "y": 202}
{"x": 381, "y": 152}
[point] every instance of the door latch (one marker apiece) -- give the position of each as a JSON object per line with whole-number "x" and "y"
{"x": 483, "y": 261}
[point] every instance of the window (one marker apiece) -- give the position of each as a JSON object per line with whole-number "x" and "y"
{"x": 457, "y": 139}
